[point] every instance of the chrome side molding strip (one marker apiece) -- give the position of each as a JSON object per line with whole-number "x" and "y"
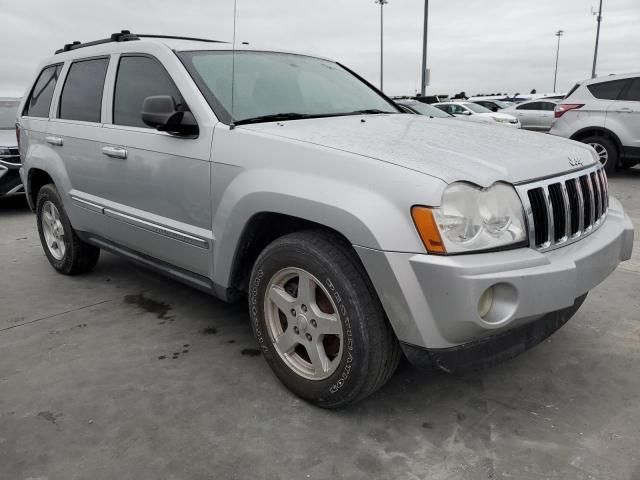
{"x": 155, "y": 228}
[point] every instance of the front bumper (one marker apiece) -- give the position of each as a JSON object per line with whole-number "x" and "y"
{"x": 10, "y": 181}
{"x": 432, "y": 301}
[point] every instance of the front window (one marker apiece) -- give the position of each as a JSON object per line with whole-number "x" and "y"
{"x": 8, "y": 111}
{"x": 477, "y": 108}
{"x": 268, "y": 84}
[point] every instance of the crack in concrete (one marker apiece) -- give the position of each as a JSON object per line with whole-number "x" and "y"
{"x": 54, "y": 315}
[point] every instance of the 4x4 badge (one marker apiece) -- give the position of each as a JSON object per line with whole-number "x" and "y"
{"x": 575, "y": 161}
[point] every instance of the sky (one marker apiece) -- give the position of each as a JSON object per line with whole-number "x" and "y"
{"x": 476, "y": 46}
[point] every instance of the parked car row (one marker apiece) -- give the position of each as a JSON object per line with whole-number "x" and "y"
{"x": 357, "y": 233}
{"x": 10, "y": 182}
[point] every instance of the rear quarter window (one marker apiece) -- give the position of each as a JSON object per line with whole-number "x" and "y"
{"x": 633, "y": 92}
{"x": 607, "y": 90}
{"x": 39, "y": 101}
{"x": 81, "y": 97}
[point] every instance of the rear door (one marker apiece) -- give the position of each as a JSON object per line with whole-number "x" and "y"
{"x": 623, "y": 117}
{"x": 75, "y": 134}
{"x": 545, "y": 115}
{"x": 155, "y": 187}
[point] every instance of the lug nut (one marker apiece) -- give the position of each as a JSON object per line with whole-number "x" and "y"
{"x": 303, "y": 308}
{"x": 314, "y": 324}
{"x": 296, "y": 330}
{"x": 293, "y": 312}
{"x": 308, "y": 335}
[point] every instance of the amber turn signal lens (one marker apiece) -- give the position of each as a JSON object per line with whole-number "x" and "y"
{"x": 428, "y": 229}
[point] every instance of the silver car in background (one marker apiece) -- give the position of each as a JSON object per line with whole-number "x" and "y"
{"x": 10, "y": 182}
{"x": 535, "y": 114}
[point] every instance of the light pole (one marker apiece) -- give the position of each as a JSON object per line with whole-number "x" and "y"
{"x": 423, "y": 85}
{"x": 558, "y": 34}
{"x": 595, "y": 52}
{"x": 382, "y": 3}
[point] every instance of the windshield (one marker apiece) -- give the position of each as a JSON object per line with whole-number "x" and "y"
{"x": 8, "y": 111}
{"x": 426, "y": 109}
{"x": 474, "y": 107}
{"x": 269, "y": 84}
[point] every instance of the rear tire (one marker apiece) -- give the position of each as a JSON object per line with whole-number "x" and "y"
{"x": 606, "y": 150}
{"x": 339, "y": 316}
{"x": 62, "y": 246}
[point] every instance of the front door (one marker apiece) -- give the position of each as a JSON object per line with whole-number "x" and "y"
{"x": 156, "y": 191}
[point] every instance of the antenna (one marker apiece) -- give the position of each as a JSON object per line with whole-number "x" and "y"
{"x": 233, "y": 62}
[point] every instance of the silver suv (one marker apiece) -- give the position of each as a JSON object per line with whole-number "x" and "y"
{"x": 604, "y": 113}
{"x": 358, "y": 233}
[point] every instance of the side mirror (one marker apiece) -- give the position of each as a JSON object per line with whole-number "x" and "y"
{"x": 494, "y": 109}
{"x": 162, "y": 113}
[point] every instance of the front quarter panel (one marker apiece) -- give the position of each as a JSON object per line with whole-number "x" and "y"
{"x": 366, "y": 200}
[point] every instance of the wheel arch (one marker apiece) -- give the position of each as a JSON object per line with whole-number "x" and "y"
{"x": 599, "y": 131}
{"x": 36, "y": 179}
{"x": 262, "y": 229}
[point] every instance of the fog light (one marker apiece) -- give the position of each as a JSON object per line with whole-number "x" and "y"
{"x": 485, "y": 302}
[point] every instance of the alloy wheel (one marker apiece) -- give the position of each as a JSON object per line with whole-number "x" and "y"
{"x": 53, "y": 230}
{"x": 602, "y": 152}
{"x": 303, "y": 323}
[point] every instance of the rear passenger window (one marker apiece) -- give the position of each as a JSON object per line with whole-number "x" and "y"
{"x": 81, "y": 97}
{"x": 40, "y": 99}
{"x": 529, "y": 106}
{"x": 633, "y": 93}
{"x": 607, "y": 90}
{"x": 139, "y": 78}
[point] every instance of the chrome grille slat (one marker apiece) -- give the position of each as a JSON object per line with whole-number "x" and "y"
{"x": 562, "y": 210}
{"x": 551, "y": 228}
{"x": 567, "y": 215}
{"x": 580, "y": 207}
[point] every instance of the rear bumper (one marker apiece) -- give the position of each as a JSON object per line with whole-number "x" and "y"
{"x": 432, "y": 301}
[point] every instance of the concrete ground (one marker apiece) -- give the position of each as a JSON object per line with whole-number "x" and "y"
{"x": 123, "y": 374}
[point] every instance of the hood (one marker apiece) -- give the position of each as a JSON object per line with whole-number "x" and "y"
{"x": 449, "y": 150}
{"x": 8, "y": 138}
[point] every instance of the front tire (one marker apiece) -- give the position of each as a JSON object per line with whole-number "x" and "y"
{"x": 318, "y": 320}
{"x": 62, "y": 246}
{"x": 606, "y": 150}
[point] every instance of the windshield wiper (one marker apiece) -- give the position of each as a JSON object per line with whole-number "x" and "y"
{"x": 368, "y": 111}
{"x": 274, "y": 117}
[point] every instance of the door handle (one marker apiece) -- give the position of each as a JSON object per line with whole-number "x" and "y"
{"x": 625, "y": 110}
{"x": 57, "y": 141}
{"x": 115, "y": 152}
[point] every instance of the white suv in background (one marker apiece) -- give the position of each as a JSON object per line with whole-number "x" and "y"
{"x": 605, "y": 113}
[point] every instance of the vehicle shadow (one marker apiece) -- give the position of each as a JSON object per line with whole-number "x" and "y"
{"x": 13, "y": 205}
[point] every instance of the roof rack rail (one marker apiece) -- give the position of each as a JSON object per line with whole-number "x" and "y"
{"x": 122, "y": 36}
{"x": 125, "y": 36}
{"x": 173, "y": 37}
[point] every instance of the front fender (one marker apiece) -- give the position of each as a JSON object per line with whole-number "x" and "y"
{"x": 365, "y": 200}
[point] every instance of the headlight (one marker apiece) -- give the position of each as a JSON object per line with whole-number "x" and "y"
{"x": 471, "y": 219}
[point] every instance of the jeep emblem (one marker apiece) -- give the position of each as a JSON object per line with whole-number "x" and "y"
{"x": 575, "y": 161}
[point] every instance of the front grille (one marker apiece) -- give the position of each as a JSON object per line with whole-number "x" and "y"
{"x": 564, "y": 209}
{"x": 11, "y": 155}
